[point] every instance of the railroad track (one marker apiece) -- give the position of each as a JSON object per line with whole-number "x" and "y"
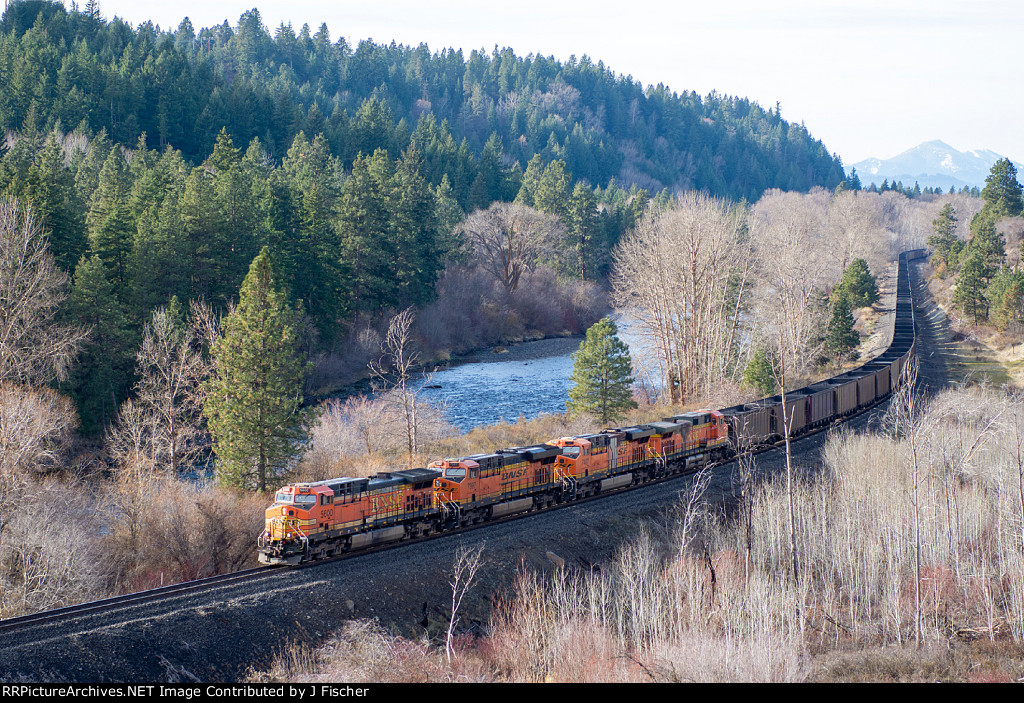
{"x": 199, "y": 585}
{"x": 196, "y": 586}
{"x": 153, "y": 594}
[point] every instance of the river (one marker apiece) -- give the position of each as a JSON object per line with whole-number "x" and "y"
{"x": 526, "y": 379}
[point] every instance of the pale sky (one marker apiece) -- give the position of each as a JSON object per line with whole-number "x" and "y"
{"x": 867, "y": 77}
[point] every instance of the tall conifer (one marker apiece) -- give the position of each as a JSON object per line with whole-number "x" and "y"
{"x": 601, "y": 374}
{"x": 254, "y": 397}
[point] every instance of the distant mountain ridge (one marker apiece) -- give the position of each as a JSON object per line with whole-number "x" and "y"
{"x": 934, "y": 164}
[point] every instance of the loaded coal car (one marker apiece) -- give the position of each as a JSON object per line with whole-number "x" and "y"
{"x": 847, "y": 395}
{"x": 821, "y": 404}
{"x": 314, "y": 520}
{"x": 881, "y": 371}
{"x": 750, "y": 426}
{"x": 795, "y": 415}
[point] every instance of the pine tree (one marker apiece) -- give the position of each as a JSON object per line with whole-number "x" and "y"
{"x": 365, "y": 227}
{"x": 416, "y": 265}
{"x": 50, "y": 188}
{"x": 859, "y": 285}
{"x": 970, "y": 288}
{"x": 854, "y": 180}
{"x": 109, "y": 220}
{"x": 1006, "y": 294}
{"x": 840, "y": 338}
{"x": 581, "y": 227}
{"x": 253, "y": 400}
{"x": 531, "y": 179}
{"x": 448, "y": 214}
{"x": 102, "y": 377}
{"x": 310, "y": 196}
{"x": 490, "y": 169}
{"x": 552, "y": 193}
{"x": 1002, "y": 193}
{"x": 944, "y": 241}
{"x": 988, "y": 244}
{"x": 759, "y": 373}
{"x": 601, "y": 375}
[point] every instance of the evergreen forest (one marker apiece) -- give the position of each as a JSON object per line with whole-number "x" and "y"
{"x": 161, "y": 161}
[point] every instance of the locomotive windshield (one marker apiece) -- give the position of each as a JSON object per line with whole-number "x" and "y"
{"x": 298, "y": 499}
{"x": 454, "y": 473}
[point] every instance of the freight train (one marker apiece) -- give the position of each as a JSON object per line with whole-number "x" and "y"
{"x": 310, "y": 521}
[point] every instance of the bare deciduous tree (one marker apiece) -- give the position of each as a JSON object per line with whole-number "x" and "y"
{"x": 358, "y": 423}
{"x": 48, "y": 557}
{"x": 787, "y": 230}
{"x": 904, "y": 417}
{"x": 36, "y": 428}
{"x": 34, "y": 347}
{"x": 509, "y": 239}
{"x": 467, "y": 564}
{"x": 854, "y": 230}
{"x": 394, "y": 373}
{"x": 671, "y": 275}
{"x": 796, "y": 266}
{"x": 746, "y": 466}
{"x": 161, "y": 427}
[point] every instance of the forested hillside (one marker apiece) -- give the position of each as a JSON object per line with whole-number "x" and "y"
{"x": 181, "y": 87}
{"x": 159, "y": 163}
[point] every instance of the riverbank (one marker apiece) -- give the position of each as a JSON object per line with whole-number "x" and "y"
{"x": 521, "y": 351}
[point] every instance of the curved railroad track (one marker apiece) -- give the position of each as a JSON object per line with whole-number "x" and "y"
{"x": 215, "y": 628}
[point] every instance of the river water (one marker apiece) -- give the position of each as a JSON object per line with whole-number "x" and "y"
{"x": 528, "y": 379}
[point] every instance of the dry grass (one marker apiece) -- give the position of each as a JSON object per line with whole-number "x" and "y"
{"x": 978, "y": 662}
{"x": 48, "y": 554}
{"x": 363, "y": 652}
{"x": 165, "y": 531}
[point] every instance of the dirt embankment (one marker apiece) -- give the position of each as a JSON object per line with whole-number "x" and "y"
{"x": 973, "y": 353}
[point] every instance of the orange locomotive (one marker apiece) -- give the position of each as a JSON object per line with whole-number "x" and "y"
{"x": 486, "y": 486}
{"x": 618, "y": 457}
{"x": 314, "y": 520}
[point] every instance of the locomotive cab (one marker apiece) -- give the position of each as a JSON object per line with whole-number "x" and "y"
{"x": 580, "y": 456}
{"x": 296, "y": 513}
{"x": 454, "y": 472}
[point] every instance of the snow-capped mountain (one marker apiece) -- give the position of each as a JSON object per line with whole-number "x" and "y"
{"x": 932, "y": 164}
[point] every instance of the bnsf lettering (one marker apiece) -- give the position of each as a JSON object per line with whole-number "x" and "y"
{"x": 384, "y": 503}
{"x": 514, "y": 474}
